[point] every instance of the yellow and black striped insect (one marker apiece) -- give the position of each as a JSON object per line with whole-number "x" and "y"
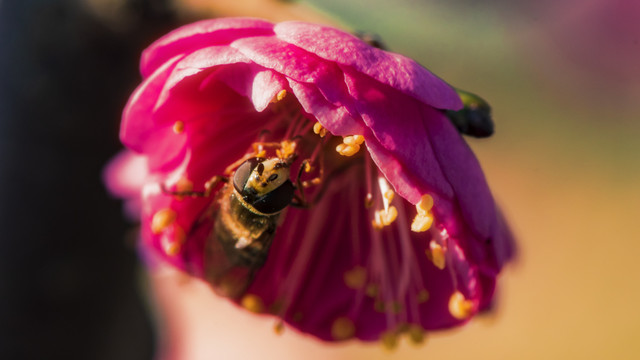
{"x": 246, "y": 212}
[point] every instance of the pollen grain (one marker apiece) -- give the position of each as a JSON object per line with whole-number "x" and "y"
{"x": 459, "y": 307}
{"x": 162, "y": 219}
{"x": 342, "y": 329}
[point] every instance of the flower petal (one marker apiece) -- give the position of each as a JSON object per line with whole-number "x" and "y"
{"x": 394, "y": 70}
{"x": 193, "y": 36}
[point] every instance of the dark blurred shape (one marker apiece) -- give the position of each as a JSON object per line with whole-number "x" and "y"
{"x": 474, "y": 119}
{"x": 68, "y": 281}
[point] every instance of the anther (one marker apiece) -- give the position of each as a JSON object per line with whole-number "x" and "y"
{"x": 368, "y": 201}
{"x": 319, "y": 130}
{"x": 371, "y": 290}
{"x": 424, "y": 219}
{"x": 278, "y": 328}
{"x": 342, "y": 328}
{"x": 172, "y": 240}
{"x": 353, "y": 140}
{"x": 356, "y": 278}
{"x": 252, "y": 303}
{"x": 281, "y": 95}
{"x": 436, "y": 254}
{"x": 423, "y": 296}
{"x": 425, "y": 204}
{"x": 286, "y": 150}
{"x": 347, "y": 150}
{"x": 162, "y": 219}
{"x": 459, "y": 307}
{"x": 384, "y": 217}
{"x": 421, "y": 223}
{"x": 416, "y": 334}
{"x": 178, "y": 127}
{"x": 389, "y": 340}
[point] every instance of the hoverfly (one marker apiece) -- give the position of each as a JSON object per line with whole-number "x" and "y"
{"x": 246, "y": 213}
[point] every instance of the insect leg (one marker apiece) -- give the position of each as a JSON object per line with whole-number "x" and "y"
{"x": 208, "y": 188}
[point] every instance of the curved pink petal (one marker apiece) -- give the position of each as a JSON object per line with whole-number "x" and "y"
{"x": 192, "y": 37}
{"x": 394, "y": 70}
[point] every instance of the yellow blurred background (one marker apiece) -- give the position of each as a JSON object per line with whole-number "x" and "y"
{"x": 564, "y": 81}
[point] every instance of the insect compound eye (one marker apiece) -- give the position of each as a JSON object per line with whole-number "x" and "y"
{"x": 244, "y": 171}
{"x": 260, "y": 169}
{"x": 272, "y": 177}
{"x": 275, "y": 200}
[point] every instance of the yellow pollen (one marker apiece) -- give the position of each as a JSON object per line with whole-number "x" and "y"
{"x": 162, "y": 219}
{"x": 421, "y": 223}
{"x": 368, "y": 201}
{"x": 252, "y": 303}
{"x": 342, "y": 328}
{"x": 356, "y": 278}
{"x": 389, "y": 195}
{"x": 416, "y": 334}
{"x": 347, "y": 150}
{"x": 459, "y": 307}
{"x": 389, "y": 340}
{"x": 379, "y": 306}
{"x": 425, "y": 204}
{"x": 372, "y": 290}
{"x": 173, "y": 245}
{"x": 281, "y": 95}
{"x": 385, "y": 217}
{"x": 436, "y": 254}
{"x": 423, "y": 296}
{"x": 307, "y": 167}
{"x": 178, "y": 127}
{"x": 278, "y": 328}
{"x": 319, "y": 130}
{"x": 353, "y": 140}
{"x": 287, "y": 149}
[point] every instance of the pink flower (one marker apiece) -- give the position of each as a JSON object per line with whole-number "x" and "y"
{"x": 218, "y": 92}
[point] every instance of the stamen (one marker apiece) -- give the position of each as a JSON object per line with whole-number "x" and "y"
{"x": 350, "y": 145}
{"x": 281, "y": 95}
{"x": 356, "y": 278}
{"x": 353, "y": 140}
{"x": 423, "y": 296}
{"x": 421, "y": 223}
{"x": 389, "y": 214}
{"x": 368, "y": 200}
{"x": 319, "y": 129}
{"x": 416, "y": 334}
{"x": 372, "y": 290}
{"x": 287, "y": 149}
{"x": 252, "y": 303}
{"x": 342, "y": 328}
{"x": 178, "y": 127}
{"x": 385, "y": 190}
{"x": 389, "y": 340}
{"x": 162, "y": 219}
{"x": 384, "y": 217}
{"x": 278, "y": 328}
{"x": 459, "y": 307}
{"x": 173, "y": 240}
{"x": 347, "y": 150}
{"x": 424, "y": 219}
{"x": 436, "y": 254}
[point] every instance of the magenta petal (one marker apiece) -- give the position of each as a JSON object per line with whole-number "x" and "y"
{"x": 394, "y": 70}
{"x": 193, "y": 36}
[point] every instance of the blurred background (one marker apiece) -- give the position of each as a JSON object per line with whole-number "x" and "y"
{"x": 563, "y": 78}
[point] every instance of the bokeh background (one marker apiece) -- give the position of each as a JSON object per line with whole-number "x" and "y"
{"x": 563, "y": 78}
